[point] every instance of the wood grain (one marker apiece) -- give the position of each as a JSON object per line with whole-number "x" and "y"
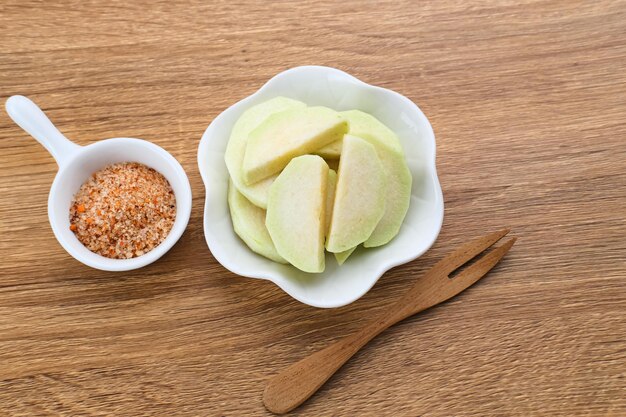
{"x": 528, "y": 103}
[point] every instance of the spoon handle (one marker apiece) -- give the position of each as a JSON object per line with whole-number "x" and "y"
{"x": 34, "y": 121}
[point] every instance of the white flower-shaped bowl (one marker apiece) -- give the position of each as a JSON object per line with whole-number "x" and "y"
{"x": 337, "y": 285}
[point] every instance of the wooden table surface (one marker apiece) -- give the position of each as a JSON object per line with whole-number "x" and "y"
{"x": 528, "y": 103}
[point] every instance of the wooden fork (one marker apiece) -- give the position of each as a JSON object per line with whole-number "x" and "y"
{"x": 298, "y": 382}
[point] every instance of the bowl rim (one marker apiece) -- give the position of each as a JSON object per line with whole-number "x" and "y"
{"x": 431, "y": 169}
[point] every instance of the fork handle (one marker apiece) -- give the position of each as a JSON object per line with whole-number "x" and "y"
{"x": 298, "y": 382}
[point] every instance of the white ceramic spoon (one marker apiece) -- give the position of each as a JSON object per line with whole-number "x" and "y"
{"x": 77, "y": 163}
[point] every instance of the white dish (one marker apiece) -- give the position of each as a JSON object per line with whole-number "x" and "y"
{"x": 77, "y": 163}
{"x": 336, "y": 286}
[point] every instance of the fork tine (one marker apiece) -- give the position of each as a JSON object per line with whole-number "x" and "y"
{"x": 468, "y": 251}
{"x": 480, "y": 268}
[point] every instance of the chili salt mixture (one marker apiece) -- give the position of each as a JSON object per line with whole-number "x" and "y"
{"x": 123, "y": 211}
